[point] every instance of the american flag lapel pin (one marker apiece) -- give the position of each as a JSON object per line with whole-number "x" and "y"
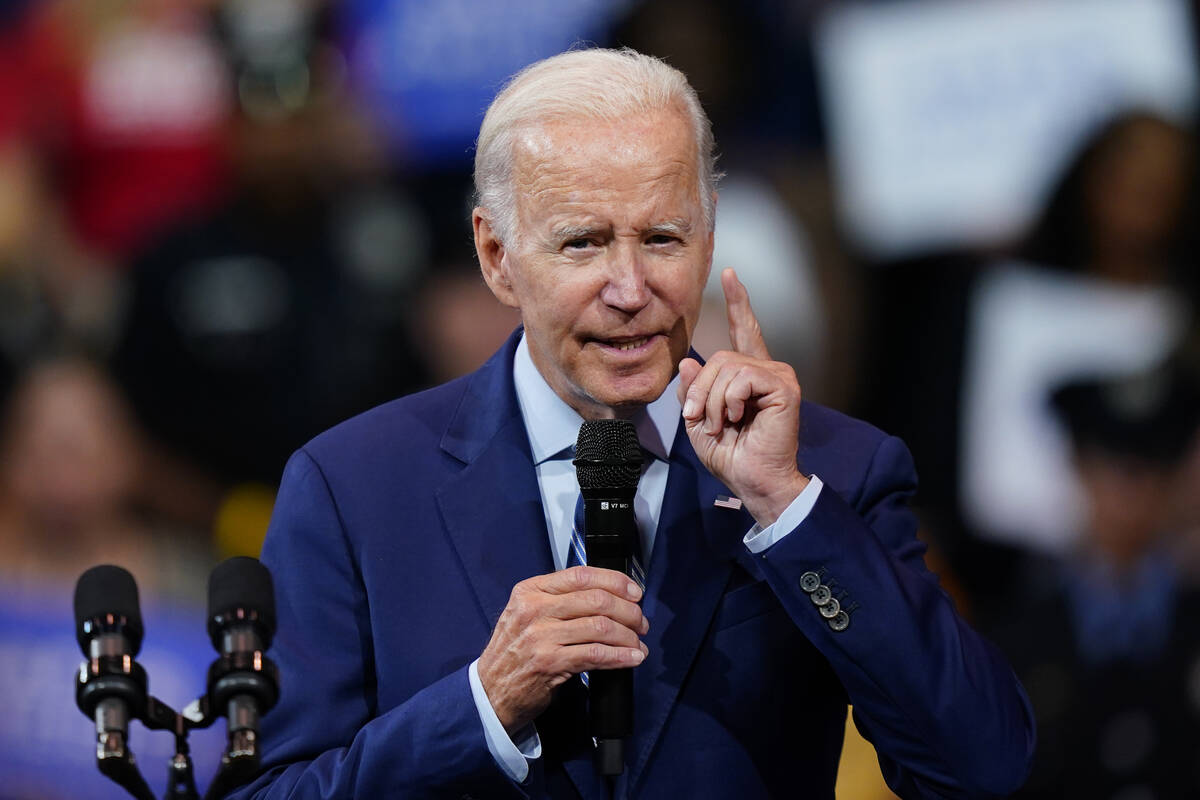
{"x": 727, "y": 502}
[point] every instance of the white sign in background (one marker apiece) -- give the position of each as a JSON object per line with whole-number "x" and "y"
{"x": 948, "y": 119}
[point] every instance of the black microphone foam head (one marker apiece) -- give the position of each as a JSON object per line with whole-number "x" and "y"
{"x": 104, "y": 591}
{"x": 241, "y": 588}
{"x": 607, "y": 455}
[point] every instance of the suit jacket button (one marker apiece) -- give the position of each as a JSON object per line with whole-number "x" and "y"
{"x": 821, "y": 595}
{"x": 830, "y": 609}
{"x": 809, "y": 581}
{"x": 840, "y": 621}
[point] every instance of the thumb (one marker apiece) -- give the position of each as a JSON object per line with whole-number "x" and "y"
{"x": 689, "y": 368}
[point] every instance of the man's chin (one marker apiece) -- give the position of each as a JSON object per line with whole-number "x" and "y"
{"x": 624, "y": 397}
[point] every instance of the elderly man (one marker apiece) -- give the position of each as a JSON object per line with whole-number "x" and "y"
{"x": 431, "y": 631}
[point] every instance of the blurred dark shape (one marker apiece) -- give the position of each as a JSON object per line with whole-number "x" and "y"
{"x": 1149, "y": 417}
{"x": 1107, "y": 639}
{"x": 713, "y": 44}
{"x": 286, "y": 310}
{"x": 1117, "y": 210}
{"x": 459, "y": 322}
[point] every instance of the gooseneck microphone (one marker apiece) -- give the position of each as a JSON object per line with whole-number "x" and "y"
{"x": 111, "y": 687}
{"x": 243, "y": 684}
{"x": 608, "y": 464}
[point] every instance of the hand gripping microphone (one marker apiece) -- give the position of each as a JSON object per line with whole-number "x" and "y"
{"x": 111, "y": 687}
{"x": 243, "y": 683}
{"x": 608, "y": 464}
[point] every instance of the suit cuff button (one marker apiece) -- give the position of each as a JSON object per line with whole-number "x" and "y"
{"x": 809, "y": 582}
{"x": 830, "y": 609}
{"x": 821, "y": 595}
{"x": 840, "y": 621}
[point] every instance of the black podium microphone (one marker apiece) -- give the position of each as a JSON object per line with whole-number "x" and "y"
{"x": 242, "y": 683}
{"x": 111, "y": 687}
{"x": 608, "y": 464}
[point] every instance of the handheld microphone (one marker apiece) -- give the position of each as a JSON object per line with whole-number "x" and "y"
{"x": 111, "y": 687}
{"x": 243, "y": 684}
{"x": 608, "y": 465}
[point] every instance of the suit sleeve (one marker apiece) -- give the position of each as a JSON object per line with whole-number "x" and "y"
{"x": 327, "y": 737}
{"x": 945, "y": 712}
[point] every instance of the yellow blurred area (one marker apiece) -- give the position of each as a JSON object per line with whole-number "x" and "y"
{"x": 858, "y": 775}
{"x": 241, "y": 522}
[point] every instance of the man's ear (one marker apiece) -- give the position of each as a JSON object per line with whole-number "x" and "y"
{"x": 710, "y": 242}
{"x": 495, "y": 262}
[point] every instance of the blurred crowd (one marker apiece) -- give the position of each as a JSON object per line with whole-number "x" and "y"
{"x": 226, "y": 225}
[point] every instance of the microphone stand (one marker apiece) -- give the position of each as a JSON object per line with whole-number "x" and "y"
{"x": 181, "y": 781}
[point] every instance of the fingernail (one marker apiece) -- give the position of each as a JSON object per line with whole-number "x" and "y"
{"x": 689, "y": 408}
{"x": 633, "y": 590}
{"x": 645, "y": 649}
{"x": 645, "y": 626}
{"x": 636, "y": 656}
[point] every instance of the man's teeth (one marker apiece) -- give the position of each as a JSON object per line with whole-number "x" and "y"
{"x": 630, "y": 345}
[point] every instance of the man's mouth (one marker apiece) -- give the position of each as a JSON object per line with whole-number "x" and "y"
{"x": 626, "y": 343}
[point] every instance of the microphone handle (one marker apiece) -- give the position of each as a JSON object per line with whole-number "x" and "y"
{"x": 610, "y": 534}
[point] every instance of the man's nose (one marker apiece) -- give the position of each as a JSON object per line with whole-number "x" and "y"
{"x": 626, "y": 288}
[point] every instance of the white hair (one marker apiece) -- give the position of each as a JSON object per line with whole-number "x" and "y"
{"x": 594, "y": 83}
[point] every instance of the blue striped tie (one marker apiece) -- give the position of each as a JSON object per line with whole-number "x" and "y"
{"x": 578, "y": 557}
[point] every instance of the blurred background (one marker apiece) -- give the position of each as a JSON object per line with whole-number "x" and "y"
{"x": 226, "y": 225}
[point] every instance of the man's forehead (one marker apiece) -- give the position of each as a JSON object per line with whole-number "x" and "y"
{"x": 594, "y": 160}
{"x": 538, "y": 141}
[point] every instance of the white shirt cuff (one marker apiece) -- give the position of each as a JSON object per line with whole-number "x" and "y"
{"x": 512, "y": 757}
{"x": 759, "y": 539}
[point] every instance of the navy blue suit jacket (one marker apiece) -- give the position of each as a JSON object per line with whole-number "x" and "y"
{"x": 398, "y": 536}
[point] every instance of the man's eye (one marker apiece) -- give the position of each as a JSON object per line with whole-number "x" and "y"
{"x": 662, "y": 238}
{"x": 578, "y": 244}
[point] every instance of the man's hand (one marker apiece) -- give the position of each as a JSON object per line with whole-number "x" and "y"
{"x": 556, "y": 626}
{"x": 742, "y": 413}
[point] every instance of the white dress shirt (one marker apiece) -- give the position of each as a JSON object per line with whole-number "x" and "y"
{"x": 553, "y": 427}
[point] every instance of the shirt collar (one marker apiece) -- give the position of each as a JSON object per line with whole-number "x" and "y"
{"x": 553, "y": 426}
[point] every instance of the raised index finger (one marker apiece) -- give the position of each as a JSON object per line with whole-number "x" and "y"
{"x": 575, "y": 579}
{"x": 744, "y": 333}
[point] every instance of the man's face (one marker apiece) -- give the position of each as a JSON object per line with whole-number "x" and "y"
{"x": 610, "y": 258}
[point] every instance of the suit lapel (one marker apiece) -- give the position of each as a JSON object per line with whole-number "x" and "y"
{"x": 493, "y": 515}
{"x": 694, "y": 553}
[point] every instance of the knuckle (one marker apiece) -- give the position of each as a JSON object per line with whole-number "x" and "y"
{"x": 599, "y": 599}
{"x": 580, "y": 576}
{"x": 601, "y": 626}
{"x": 541, "y": 661}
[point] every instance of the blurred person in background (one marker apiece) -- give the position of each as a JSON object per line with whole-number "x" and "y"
{"x": 286, "y": 309}
{"x": 1101, "y": 282}
{"x": 1107, "y": 638}
{"x": 69, "y": 466}
{"x": 1098, "y": 286}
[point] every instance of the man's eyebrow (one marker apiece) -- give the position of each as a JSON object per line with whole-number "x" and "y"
{"x": 565, "y": 233}
{"x": 677, "y": 227}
